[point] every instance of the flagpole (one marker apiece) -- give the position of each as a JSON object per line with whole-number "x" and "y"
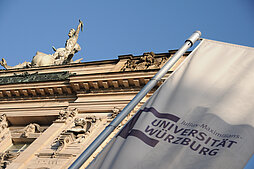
{"x": 132, "y": 104}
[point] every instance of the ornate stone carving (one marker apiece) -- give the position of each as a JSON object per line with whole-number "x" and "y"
{"x": 35, "y": 77}
{"x": 129, "y": 65}
{"x": 21, "y": 65}
{"x": 115, "y": 112}
{"x": 61, "y": 141}
{"x": 7, "y": 157}
{"x": 147, "y": 61}
{"x": 61, "y": 55}
{"x": 3, "y": 122}
{"x": 75, "y": 134}
{"x": 80, "y": 122}
{"x": 31, "y": 128}
{"x": 66, "y": 113}
{"x": 82, "y": 125}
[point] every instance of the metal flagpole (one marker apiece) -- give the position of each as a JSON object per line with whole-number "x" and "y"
{"x": 130, "y": 106}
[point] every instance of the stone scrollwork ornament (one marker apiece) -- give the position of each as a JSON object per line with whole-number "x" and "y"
{"x": 62, "y": 141}
{"x": 76, "y": 134}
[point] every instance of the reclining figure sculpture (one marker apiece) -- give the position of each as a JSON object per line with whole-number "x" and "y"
{"x": 60, "y": 57}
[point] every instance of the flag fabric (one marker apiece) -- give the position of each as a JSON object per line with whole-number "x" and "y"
{"x": 202, "y": 117}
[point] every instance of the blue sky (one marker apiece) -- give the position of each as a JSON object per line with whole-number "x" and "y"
{"x": 118, "y": 27}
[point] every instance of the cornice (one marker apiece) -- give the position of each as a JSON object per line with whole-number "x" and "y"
{"x": 93, "y": 83}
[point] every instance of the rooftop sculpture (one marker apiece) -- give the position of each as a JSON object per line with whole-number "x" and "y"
{"x": 61, "y": 56}
{"x": 145, "y": 62}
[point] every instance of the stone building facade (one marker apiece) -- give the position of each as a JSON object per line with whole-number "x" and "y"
{"x": 50, "y": 114}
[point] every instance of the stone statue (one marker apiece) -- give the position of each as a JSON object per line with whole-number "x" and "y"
{"x": 21, "y": 65}
{"x": 60, "y": 57}
{"x": 71, "y": 45}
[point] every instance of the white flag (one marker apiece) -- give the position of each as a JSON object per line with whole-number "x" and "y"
{"x": 202, "y": 117}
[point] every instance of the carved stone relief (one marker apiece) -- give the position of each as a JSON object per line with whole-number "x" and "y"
{"x": 5, "y": 135}
{"x": 3, "y": 122}
{"x": 7, "y": 157}
{"x": 115, "y": 112}
{"x": 61, "y": 141}
{"x": 31, "y": 128}
{"x": 147, "y": 61}
{"x": 35, "y": 77}
{"x": 76, "y": 134}
{"x": 66, "y": 114}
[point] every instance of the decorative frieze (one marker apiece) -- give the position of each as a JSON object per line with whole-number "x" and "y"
{"x": 147, "y": 61}
{"x": 35, "y": 77}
